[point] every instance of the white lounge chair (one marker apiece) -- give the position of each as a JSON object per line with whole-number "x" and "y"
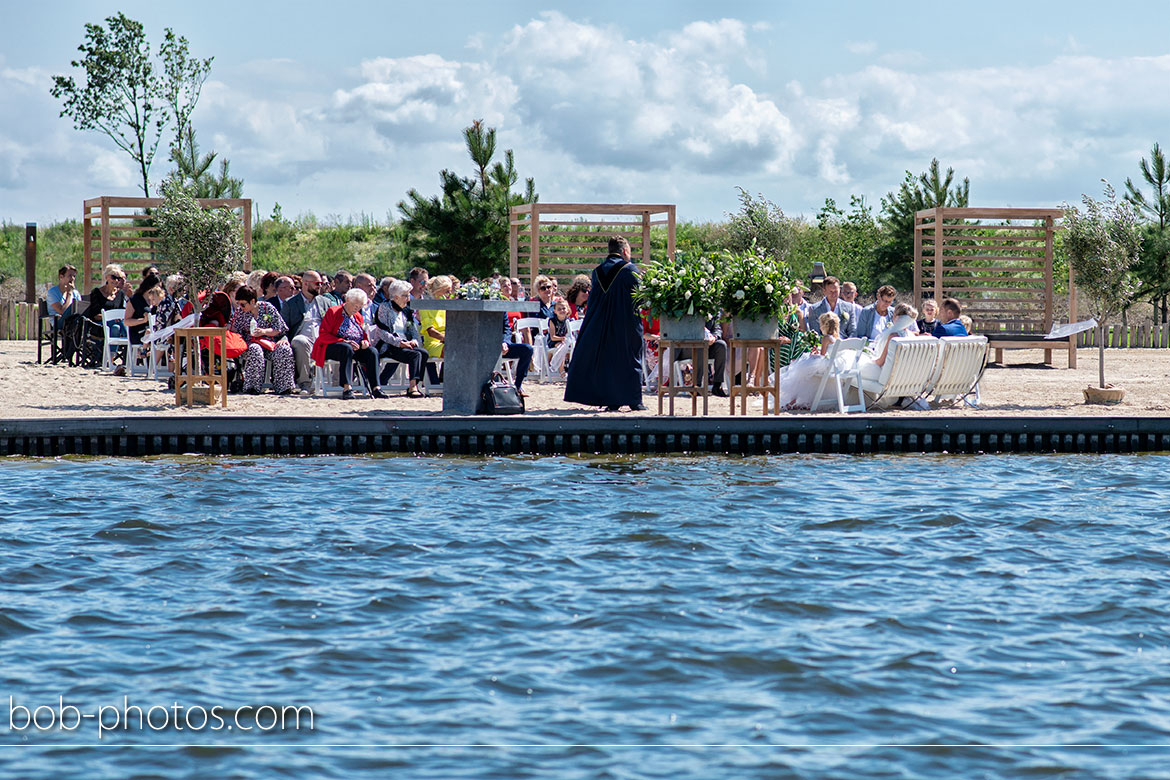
{"x": 960, "y": 368}
{"x": 843, "y": 369}
{"x": 910, "y": 366}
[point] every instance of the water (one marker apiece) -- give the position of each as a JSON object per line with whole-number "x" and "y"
{"x": 571, "y": 609}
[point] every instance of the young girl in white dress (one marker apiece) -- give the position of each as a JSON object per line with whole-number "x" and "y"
{"x": 800, "y": 379}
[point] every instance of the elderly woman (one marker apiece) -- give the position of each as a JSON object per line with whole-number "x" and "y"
{"x": 263, "y": 330}
{"x": 342, "y": 337}
{"x": 170, "y": 310}
{"x": 434, "y": 321}
{"x": 399, "y": 338}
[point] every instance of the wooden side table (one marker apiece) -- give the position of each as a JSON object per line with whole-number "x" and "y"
{"x": 769, "y": 390}
{"x": 191, "y": 373}
{"x": 675, "y": 348}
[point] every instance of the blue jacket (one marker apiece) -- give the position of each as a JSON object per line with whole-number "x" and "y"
{"x": 952, "y": 328}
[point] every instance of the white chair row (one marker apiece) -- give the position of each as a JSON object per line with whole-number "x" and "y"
{"x": 947, "y": 369}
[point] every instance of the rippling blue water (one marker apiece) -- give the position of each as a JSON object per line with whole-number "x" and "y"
{"x": 587, "y": 605}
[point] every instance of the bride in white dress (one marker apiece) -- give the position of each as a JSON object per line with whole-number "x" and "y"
{"x": 800, "y": 379}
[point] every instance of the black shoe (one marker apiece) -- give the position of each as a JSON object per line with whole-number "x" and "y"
{"x": 638, "y": 408}
{"x": 379, "y": 394}
{"x": 347, "y": 395}
{"x": 613, "y": 408}
{"x": 251, "y": 391}
{"x": 289, "y": 391}
{"x": 719, "y": 391}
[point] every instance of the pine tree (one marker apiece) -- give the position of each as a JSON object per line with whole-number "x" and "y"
{"x": 894, "y": 260}
{"x": 1154, "y": 266}
{"x": 464, "y": 230}
{"x": 195, "y": 170}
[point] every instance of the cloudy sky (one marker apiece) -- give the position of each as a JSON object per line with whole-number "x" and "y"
{"x": 340, "y": 109}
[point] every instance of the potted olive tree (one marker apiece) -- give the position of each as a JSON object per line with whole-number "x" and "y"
{"x": 682, "y": 292}
{"x": 204, "y": 245}
{"x": 1103, "y": 243}
{"x": 756, "y": 292}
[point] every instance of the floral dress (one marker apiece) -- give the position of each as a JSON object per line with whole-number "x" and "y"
{"x": 283, "y": 363}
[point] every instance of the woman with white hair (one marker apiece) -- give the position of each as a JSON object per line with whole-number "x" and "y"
{"x": 399, "y": 338}
{"x": 342, "y": 337}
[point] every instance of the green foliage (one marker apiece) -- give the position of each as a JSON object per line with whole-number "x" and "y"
{"x": 759, "y": 224}
{"x": 465, "y": 229}
{"x": 194, "y": 170}
{"x": 694, "y": 238}
{"x": 1103, "y": 244}
{"x": 680, "y": 286}
{"x": 58, "y": 244}
{"x": 844, "y": 242}
{"x": 479, "y": 291}
{"x": 121, "y": 95}
{"x": 894, "y": 259}
{"x": 203, "y": 245}
{"x": 1154, "y": 266}
{"x": 358, "y": 245}
{"x": 755, "y": 285}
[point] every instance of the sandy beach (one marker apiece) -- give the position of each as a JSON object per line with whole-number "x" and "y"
{"x": 1023, "y": 387}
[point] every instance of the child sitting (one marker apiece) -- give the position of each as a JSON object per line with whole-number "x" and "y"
{"x": 558, "y": 336}
{"x": 830, "y": 330}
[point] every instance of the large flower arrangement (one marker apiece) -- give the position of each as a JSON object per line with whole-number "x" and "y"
{"x": 756, "y": 287}
{"x": 680, "y": 286}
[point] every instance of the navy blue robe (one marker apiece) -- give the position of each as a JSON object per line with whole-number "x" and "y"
{"x": 606, "y": 366}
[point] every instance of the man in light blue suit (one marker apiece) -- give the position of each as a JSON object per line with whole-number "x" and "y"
{"x": 877, "y": 316}
{"x": 833, "y": 302}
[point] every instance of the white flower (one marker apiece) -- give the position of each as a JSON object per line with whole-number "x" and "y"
{"x": 739, "y": 295}
{"x": 687, "y": 295}
{"x": 769, "y": 288}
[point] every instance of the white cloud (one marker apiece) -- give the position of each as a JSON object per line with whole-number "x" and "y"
{"x": 861, "y": 47}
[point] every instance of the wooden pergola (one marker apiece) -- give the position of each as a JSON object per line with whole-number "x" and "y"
{"x": 1001, "y": 273}
{"x": 555, "y": 238}
{"x": 118, "y": 230}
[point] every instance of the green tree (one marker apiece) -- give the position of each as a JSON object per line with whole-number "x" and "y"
{"x": 1103, "y": 244}
{"x": 465, "y": 229}
{"x": 844, "y": 242}
{"x": 194, "y": 169}
{"x": 122, "y": 96}
{"x": 761, "y": 224}
{"x": 1154, "y": 266}
{"x": 204, "y": 245}
{"x": 894, "y": 259}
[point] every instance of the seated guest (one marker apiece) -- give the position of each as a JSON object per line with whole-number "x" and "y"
{"x": 546, "y": 291}
{"x": 949, "y": 324}
{"x": 109, "y": 295}
{"x": 557, "y": 340}
{"x": 876, "y": 317}
{"x": 264, "y": 331}
{"x": 267, "y": 287}
{"x": 433, "y": 323}
{"x": 520, "y": 352}
{"x": 342, "y": 337}
{"x": 171, "y": 310}
{"x": 218, "y": 311}
{"x": 578, "y": 295}
{"x": 63, "y": 297}
{"x": 137, "y": 308}
{"x": 968, "y": 325}
{"x": 383, "y": 294}
{"x": 901, "y": 325}
{"x": 303, "y": 316}
{"x": 717, "y": 352}
{"x": 418, "y": 278}
{"x": 398, "y": 337}
{"x": 518, "y": 290}
{"x": 832, "y": 302}
{"x": 929, "y": 316}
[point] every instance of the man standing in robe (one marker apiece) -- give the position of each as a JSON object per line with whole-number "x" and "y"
{"x": 606, "y": 367}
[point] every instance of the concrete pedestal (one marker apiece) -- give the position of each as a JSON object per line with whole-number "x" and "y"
{"x": 474, "y": 333}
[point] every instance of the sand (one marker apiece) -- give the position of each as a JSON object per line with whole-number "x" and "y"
{"x": 1023, "y": 387}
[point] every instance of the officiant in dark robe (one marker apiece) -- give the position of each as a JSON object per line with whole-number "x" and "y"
{"x": 606, "y": 367}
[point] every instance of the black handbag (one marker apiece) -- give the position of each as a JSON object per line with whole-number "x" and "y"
{"x": 499, "y": 397}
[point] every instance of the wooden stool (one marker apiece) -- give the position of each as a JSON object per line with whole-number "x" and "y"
{"x": 698, "y": 384}
{"x": 744, "y": 390}
{"x": 191, "y": 374}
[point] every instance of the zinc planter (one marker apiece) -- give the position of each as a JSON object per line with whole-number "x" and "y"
{"x": 755, "y": 329}
{"x": 682, "y": 329}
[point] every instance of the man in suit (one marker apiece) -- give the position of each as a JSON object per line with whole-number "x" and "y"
{"x": 833, "y": 302}
{"x": 305, "y": 309}
{"x": 949, "y": 323}
{"x": 877, "y": 316}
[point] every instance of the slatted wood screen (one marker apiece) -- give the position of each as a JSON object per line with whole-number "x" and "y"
{"x": 117, "y": 230}
{"x": 562, "y": 239}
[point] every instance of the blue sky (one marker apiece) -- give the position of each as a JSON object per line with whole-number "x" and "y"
{"x": 341, "y": 109}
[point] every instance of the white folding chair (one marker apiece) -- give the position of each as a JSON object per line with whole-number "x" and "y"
{"x": 110, "y": 341}
{"x": 161, "y": 340}
{"x": 540, "y": 354}
{"x": 960, "y": 368}
{"x": 843, "y": 369}
{"x": 332, "y": 383}
{"x": 909, "y": 368}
